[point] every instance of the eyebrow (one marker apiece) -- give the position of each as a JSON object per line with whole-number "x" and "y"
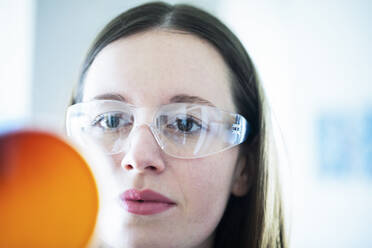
{"x": 182, "y": 98}
{"x": 110, "y": 96}
{"x": 190, "y": 99}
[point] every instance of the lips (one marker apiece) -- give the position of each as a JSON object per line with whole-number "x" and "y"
{"x": 146, "y": 202}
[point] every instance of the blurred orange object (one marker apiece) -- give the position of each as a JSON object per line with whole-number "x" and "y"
{"x": 48, "y": 195}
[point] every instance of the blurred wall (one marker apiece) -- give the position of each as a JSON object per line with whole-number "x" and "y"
{"x": 16, "y": 43}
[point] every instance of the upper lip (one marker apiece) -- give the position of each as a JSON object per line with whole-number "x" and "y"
{"x": 144, "y": 195}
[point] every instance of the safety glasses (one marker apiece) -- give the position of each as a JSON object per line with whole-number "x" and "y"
{"x": 182, "y": 130}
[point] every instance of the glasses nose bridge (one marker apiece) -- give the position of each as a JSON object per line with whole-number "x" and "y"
{"x": 138, "y": 131}
{"x": 144, "y": 116}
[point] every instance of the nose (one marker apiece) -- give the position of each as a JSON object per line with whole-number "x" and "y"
{"x": 142, "y": 153}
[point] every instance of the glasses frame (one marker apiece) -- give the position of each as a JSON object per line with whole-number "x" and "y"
{"x": 242, "y": 128}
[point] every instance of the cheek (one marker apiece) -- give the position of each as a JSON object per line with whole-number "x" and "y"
{"x": 206, "y": 186}
{"x": 109, "y": 179}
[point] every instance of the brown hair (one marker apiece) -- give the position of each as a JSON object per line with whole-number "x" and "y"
{"x": 255, "y": 219}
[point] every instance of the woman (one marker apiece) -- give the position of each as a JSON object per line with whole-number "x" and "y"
{"x": 160, "y": 91}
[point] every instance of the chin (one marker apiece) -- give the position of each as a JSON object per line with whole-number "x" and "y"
{"x": 131, "y": 236}
{"x": 139, "y": 241}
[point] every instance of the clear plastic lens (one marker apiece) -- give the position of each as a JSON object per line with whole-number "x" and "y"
{"x": 112, "y": 121}
{"x": 182, "y": 130}
{"x": 181, "y": 125}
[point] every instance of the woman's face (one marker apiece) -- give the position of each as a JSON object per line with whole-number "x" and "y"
{"x": 148, "y": 70}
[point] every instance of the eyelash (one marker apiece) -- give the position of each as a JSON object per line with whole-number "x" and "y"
{"x": 195, "y": 121}
{"x": 98, "y": 120}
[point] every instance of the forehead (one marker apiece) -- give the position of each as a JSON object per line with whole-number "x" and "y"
{"x": 151, "y": 68}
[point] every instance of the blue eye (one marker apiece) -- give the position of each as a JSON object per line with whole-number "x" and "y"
{"x": 112, "y": 121}
{"x": 185, "y": 125}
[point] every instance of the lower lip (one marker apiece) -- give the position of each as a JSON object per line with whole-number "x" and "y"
{"x": 146, "y": 208}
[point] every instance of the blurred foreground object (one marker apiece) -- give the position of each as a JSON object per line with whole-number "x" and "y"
{"x": 48, "y": 195}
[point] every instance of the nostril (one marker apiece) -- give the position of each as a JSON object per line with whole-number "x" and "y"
{"x": 128, "y": 167}
{"x": 152, "y": 167}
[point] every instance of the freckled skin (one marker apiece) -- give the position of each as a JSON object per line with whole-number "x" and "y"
{"x": 148, "y": 69}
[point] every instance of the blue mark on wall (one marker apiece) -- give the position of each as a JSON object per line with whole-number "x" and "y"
{"x": 366, "y": 145}
{"x": 344, "y": 144}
